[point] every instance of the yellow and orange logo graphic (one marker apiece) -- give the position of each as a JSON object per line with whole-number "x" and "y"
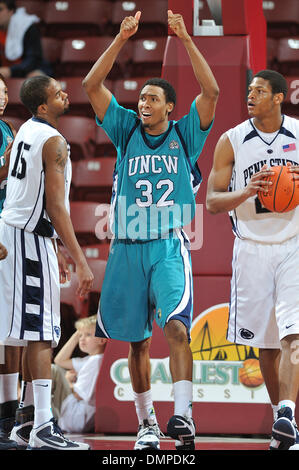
{"x": 209, "y": 343}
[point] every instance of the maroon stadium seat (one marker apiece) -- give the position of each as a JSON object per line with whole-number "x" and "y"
{"x": 288, "y": 55}
{"x": 79, "y": 102}
{"x": 89, "y": 219}
{"x": 282, "y": 17}
{"x": 80, "y": 133}
{"x": 80, "y": 53}
{"x": 15, "y": 106}
{"x": 126, "y": 91}
{"x": 63, "y": 19}
{"x": 104, "y": 146}
{"x": 153, "y": 16}
{"x": 92, "y": 179}
{"x": 148, "y": 56}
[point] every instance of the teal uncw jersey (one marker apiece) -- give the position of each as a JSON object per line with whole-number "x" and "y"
{"x": 6, "y": 136}
{"x": 156, "y": 178}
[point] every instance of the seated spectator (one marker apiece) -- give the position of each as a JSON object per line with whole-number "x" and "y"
{"x": 74, "y": 379}
{"x": 21, "y": 52}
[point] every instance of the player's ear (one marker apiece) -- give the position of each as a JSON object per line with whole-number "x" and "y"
{"x": 42, "y": 109}
{"x": 170, "y": 107}
{"x": 278, "y": 98}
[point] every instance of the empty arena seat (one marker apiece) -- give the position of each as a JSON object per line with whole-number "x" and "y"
{"x": 153, "y": 16}
{"x": 51, "y": 49}
{"x": 97, "y": 251}
{"x": 92, "y": 179}
{"x": 148, "y": 56}
{"x": 15, "y": 106}
{"x": 63, "y": 18}
{"x": 97, "y": 267}
{"x": 272, "y": 47}
{"x": 16, "y": 122}
{"x": 126, "y": 91}
{"x": 79, "y": 131}
{"x": 79, "y": 102}
{"x": 90, "y": 221}
{"x": 282, "y": 17}
{"x": 104, "y": 146}
{"x": 288, "y": 55}
{"x": 80, "y": 53}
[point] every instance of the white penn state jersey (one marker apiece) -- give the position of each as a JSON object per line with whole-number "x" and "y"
{"x": 24, "y": 206}
{"x": 252, "y": 150}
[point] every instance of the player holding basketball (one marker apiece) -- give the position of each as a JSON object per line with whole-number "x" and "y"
{"x": 36, "y": 203}
{"x": 149, "y": 271}
{"x": 264, "y": 309}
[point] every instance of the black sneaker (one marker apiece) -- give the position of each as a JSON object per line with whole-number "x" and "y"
{"x": 284, "y": 431}
{"x": 6, "y": 425}
{"x": 49, "y": 436}
{"x": 23, "y": 425}
{"x": 182, "y": 429}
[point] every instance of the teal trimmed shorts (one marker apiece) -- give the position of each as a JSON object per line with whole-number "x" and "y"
{"x": 145, "y": 281}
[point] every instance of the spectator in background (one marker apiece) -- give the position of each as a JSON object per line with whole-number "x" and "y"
{"x": 74, "y": 379}
{"x": 21, "y": 52}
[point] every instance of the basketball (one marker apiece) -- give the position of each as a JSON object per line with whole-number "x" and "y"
{"x": 283, "y": 195}
{"x": 250, "y": 374}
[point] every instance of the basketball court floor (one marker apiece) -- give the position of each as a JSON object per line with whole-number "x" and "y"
{"x": 126, "y": 442}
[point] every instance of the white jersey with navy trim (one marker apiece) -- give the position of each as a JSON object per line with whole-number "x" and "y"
{"x": 251, "y": 151}
{"x": 24, "y": 206}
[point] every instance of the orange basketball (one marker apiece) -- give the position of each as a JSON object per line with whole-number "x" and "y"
{"x": 250, "y": 374}
{"x": 283, "y": 195}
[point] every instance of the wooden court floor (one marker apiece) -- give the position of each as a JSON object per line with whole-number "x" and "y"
{"x": 126, "y": 442}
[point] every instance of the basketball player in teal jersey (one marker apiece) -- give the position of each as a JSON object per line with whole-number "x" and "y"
{"x": 264, "y": 306}
{"x": 9, "y": 370}
{"x": 149, "y": 272}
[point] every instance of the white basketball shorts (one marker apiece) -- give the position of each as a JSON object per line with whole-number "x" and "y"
{"x": 264, "y": 305}
{"x": 29, "y": 288}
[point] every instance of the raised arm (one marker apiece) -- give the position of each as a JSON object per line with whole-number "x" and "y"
{"x": 206, "y": 101}
{"x": 99, "y": 96}
{"x": 64, "y": 357}
{"x": 219, "y": 198}
{"x": 54, "y": 158}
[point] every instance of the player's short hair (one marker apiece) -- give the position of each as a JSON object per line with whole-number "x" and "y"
{"x": 34, "y": 92}
{"x": 11, "y": 4}
{"x": 86, "y": 322}
{"x": 277, "y": 81}
{"x": 169, "y": 91}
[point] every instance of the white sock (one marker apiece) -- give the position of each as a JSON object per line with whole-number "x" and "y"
{"x": 183, "y": 394}
{"x": 144, "y": 407}
{"x": 42, "y": 401}
{"x": 287, "y": 403}
{"x": 26, "y": 394}
{"x": 9, "y": 387}
{"x": 275, "y": 408}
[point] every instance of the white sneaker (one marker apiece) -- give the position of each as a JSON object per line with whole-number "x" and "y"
{"x": 49, "y": 436}
{"x": 148, "y": 436}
